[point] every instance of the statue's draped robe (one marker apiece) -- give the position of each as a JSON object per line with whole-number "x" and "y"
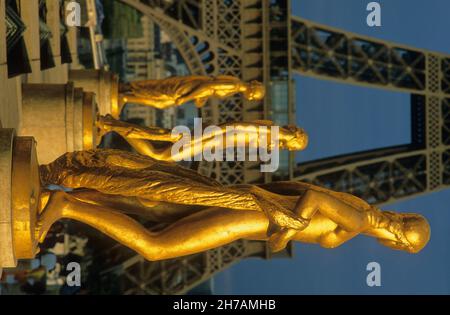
{"x": 122, "y": 173}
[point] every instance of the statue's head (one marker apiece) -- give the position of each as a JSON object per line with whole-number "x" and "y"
{"x": 255, "y": 91}
{"x": 417, "y": 232}
{"x": 297, "y": 139}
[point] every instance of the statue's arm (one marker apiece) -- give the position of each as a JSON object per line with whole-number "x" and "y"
{"x": 108, "y": 123}
{"x": 217, "y": 87}
{"x": 199, "y": 95}
{"x": 351, "y": 216}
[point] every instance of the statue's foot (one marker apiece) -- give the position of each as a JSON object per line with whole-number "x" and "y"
{"x": 50, "y": 214}
{"x": 43, "y": 200}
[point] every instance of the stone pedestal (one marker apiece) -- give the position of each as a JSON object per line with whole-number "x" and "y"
{"x": 19, "y": 193}
{"x": 7, "y": 254}
{"x": 104, "y": 84}
{"x": 60, "y": 117}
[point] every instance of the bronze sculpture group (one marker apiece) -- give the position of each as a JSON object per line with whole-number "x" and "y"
{"x": 198, "y": 212}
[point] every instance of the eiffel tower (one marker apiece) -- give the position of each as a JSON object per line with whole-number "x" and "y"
{"x": 261, "y": 40}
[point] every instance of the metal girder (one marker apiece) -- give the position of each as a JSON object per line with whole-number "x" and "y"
{"x": 379, "y": 180}
{"x": 180, "y": 38}
{"x": 329, "y": 53}
{"x": 189, "y": 12}
{"x": 180, "y": 275}
{"x": 185, "y": 15}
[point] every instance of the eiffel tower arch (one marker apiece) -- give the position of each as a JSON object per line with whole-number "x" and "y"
{"x": 261, "y": 40}
{"x": 388, "y": 174}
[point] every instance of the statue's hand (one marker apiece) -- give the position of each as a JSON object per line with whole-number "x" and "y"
{"x": 279, "y": 217}
{"x": 279, "y": 240}
{"x": 287, "y": 219}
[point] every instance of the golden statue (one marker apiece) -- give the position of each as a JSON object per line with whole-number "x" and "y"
{"x": 157, "y": 142}
{"x": 199, "y": 214}
{"x": 176, "y": 91}
{"x": 192, "y": 213}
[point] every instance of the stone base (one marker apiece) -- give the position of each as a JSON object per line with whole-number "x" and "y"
{"x": 7, "y": 254}
{"x": 60, "y": 117}
{"x": 19, "y": 193}
{"x": 26, "y": 191}
{"x": 104, "y": 84}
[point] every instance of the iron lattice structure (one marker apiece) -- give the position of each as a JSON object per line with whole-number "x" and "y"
{"x": 388, "y": 174}
{"x": 178, "y": 276}
{"x": 260, "y": 40}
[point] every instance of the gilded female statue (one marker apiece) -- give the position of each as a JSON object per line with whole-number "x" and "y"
{"x": 157, "y": 142}
{"x": 176, "y": 91}
{"x": 200, "y": 214}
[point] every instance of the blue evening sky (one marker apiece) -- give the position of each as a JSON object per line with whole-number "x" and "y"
{"x": 342, "y": 119}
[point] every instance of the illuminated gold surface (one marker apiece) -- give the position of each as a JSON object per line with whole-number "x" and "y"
{"x": 89, "y": 121}
{"x": 7, "y": 254}
{"x": 25, "y": 196}
{"x": 143, "y": 139}
{"x": 201, "y": 214}
{"x": 20, "y": 195}
{"x": 176, "y": 91}
{"x": 198, "y": 213}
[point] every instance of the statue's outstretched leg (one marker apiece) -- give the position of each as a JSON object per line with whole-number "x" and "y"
{"x": 195, "y": 233}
